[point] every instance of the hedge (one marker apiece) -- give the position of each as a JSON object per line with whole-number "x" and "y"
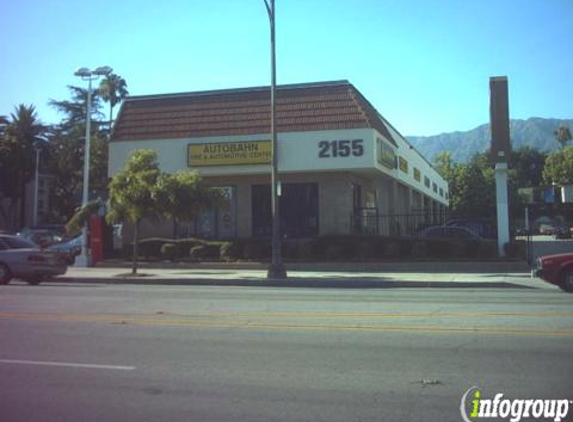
{"x": 325, "y": 248}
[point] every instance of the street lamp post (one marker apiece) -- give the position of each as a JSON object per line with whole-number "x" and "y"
{"x": 276, "y": 269}
{"x": 36, "y": 181}
{"x": 83, "y": 260}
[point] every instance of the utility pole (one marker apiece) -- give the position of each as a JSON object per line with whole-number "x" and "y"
{"x": 276, "y": 269}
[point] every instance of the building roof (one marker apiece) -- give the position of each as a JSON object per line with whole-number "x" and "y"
{"x": 303, "y": 107}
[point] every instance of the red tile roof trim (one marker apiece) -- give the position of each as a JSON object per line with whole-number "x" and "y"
{"x": 306, "y": 107}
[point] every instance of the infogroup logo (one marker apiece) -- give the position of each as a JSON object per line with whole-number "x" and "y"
{"x": 512, "y": 409}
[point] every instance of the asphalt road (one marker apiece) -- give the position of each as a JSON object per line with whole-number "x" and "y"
{"x": 167, "y": 353}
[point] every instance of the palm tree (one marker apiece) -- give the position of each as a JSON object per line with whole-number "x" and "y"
{"x": 23, "y": 131}
{"x": 113, "y": 89}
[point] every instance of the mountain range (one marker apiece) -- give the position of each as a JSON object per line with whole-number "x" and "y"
{"x": 535, "y": 132}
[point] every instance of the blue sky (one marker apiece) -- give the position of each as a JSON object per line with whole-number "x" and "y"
{"x": 424, "y": 64}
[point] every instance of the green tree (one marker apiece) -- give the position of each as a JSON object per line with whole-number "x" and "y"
{"x": 444, "y": 164}
{"x": 133, "y": 193}
{"x": 141, "y": 191}
{"x": 65, "y": 158}
{"x": 17, "y": 157}
{"x": 181, "y": 196}
{"x": 67, "y": 143}
{"x": 528, "y": 164}
{"x": 559, "y": 167}
{"x": 472, "y": 186}
{"x": 113, "y": 89}
{"x": 476, "y": 189}
{"x": 563, "y": 135}
{"x": 75, "y": 109}
{"x": 3, "y": 123}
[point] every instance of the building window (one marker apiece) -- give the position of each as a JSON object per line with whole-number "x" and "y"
{"x": 403, "y": 164}
{"x": 427, "y": 181}
{"x": 417, "y": 175}
{"x": 214, "y": 223}
{"x": 435, "y": 187}
{"x": 386, "y": 154}
{"x": 441, "y": 192}
{"x": 356, "y": 196}
{"x": 298, "y": 209}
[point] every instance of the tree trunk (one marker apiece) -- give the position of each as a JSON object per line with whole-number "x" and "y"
{"x": 135, "y": 246}
{"x": 110, "y": 118}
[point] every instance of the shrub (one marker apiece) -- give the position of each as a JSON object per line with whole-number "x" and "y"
{"x": 151, "y": 248}
{"x": 197, "y": 252}
{"x": 185, "y": 245}
{"x": 488, "y": 249}
{"x": 391, "y": 249}
{"x": 305, "y": 251}
{"x": 420, "y": 249}
{"x": 406, "y": 245}
{"x": 511, "y": 249}
{"x": 456, "y": 249}
{"x": 169, "y": 251}
{"x": 334, "y": 252}
{"x": 438, "y": 248}
{"x": 230, "y": 251}
{"x": 256, "y": 250}
{"x": 207, "y": 252}
{"x": 366, "y": 250}
{"x": 473, "y": 248}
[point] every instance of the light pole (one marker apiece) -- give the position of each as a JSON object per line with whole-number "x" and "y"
{"x": 36, "y": 182}
{"x": 276, "y": 269}
{"x": 83, "y": 260}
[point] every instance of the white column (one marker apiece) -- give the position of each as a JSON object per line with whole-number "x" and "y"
{"x": 502, "y": 207}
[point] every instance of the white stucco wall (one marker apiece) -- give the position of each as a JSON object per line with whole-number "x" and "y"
{"x": 299, "y": 152}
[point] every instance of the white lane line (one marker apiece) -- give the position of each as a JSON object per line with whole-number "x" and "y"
{"x": 67, "y": 364}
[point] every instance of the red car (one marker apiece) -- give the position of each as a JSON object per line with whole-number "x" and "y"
{"x": 556, "y": 269}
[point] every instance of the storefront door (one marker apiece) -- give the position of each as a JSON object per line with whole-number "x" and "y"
{"x": 298, "y": 210}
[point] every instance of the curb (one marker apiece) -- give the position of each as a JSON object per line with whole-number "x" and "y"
{"x": 343, "y": 283}
{"x": 389, "y": 266}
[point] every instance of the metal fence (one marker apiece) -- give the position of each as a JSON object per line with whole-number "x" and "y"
{"x": 369, "y": 221}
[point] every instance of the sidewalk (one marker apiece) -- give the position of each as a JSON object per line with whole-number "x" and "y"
{"x": 340, "y": 275}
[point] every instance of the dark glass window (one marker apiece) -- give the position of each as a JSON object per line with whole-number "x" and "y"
{"x": 298, "y": 210}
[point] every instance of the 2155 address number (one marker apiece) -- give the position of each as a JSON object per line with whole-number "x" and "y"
{"x": 342, "y": 148}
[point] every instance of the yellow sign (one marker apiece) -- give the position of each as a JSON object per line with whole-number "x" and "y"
{"x": 230, "y": 153}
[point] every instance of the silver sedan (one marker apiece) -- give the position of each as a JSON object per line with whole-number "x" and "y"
{"x": 20, "y": 258}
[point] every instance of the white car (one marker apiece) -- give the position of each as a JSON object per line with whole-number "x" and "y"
{"x": 20, "y": 258}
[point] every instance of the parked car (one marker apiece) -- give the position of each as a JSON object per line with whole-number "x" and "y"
{"x": 42, "y": 236}
{"x": 556, "y": 269}
{"x": 485, "y": 229}
{"x": 561, "y": 232}
{"x": 546, "y": 229}
{"x": 69, "y": 249}
{"x": 20, "y": 258}
{"x": 449, "y": 232}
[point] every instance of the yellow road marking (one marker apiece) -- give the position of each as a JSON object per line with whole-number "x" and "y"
{"x": 162, "y": 320}
{"x": 295, "y": 314}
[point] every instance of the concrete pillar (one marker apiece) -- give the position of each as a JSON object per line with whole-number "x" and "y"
{"x": 502, "y": 207}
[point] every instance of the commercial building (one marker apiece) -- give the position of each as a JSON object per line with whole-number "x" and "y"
{"x": 340, "y": 162}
